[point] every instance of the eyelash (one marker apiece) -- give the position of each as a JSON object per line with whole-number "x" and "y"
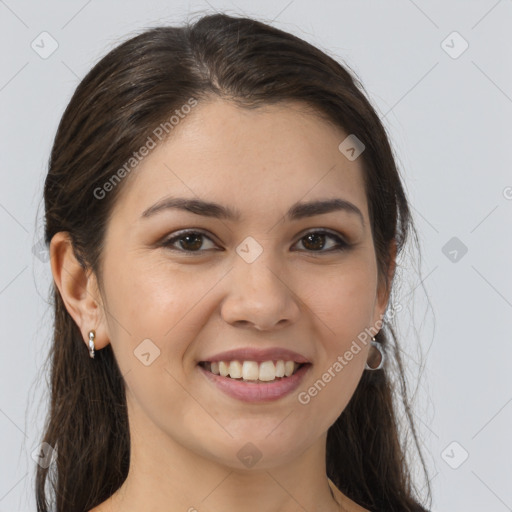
{"x": 342, "y": 245}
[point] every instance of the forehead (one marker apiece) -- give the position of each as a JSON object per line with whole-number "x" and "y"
{"x": 256, "y": 160}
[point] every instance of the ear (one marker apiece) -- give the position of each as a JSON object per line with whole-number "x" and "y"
{"x": 79, "y": 290}
{"x": 384, "y": 289}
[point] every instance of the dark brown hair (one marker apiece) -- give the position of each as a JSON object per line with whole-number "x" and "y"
{"x": 115, "y": 108}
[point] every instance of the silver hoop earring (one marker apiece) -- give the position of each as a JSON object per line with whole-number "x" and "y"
{"x": 379, "y": 347}
{"x": 92, "y": 334}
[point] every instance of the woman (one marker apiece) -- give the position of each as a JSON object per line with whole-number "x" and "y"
{"x": 224, "y": 214}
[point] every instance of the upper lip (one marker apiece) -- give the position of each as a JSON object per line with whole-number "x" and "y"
{"x": 258, "y": 355}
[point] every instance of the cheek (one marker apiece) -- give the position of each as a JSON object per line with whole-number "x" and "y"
{"x": 343, "y": 298}
{"x": 151, "y": 327}
{"x": 159, "y": 303}
{"x": 342, "y": 311}
{"x": 147, "y": 299}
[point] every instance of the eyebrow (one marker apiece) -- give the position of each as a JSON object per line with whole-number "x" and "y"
{"x": 210, "y": 209}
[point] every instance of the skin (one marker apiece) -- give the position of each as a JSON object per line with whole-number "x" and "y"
{"x": 185, "y": 434}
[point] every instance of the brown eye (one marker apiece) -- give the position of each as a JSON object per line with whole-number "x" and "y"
{"x": 189, "y": 241}
{"x": 314, "y": 241}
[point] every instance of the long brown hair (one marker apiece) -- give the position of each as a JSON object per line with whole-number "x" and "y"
{"x": 132, "y": 90}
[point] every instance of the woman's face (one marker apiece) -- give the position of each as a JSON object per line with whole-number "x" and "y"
{"x": 257, "y": 281}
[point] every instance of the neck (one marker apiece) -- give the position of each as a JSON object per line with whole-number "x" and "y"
{"x": 165, "y": 475}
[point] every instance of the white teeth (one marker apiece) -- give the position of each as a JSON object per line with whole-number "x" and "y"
{"x": 267, "y": 371}
{"x": 223, "y": 369}
{"x": 280, "y": 369}
{"x": 250, "y": 370}
{"x": 235, "y": 370}
{"x": 289, "y": 366}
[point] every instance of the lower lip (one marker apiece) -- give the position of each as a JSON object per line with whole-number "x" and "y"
{"x": 254, "y": 392}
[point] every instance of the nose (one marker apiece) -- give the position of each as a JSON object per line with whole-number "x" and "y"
{"x": 259, "y": 297}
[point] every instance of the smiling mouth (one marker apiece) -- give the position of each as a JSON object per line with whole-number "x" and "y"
{"x": 252, "y": 371}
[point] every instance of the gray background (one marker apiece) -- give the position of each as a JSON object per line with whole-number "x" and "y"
{"x": 448, "y": 114}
